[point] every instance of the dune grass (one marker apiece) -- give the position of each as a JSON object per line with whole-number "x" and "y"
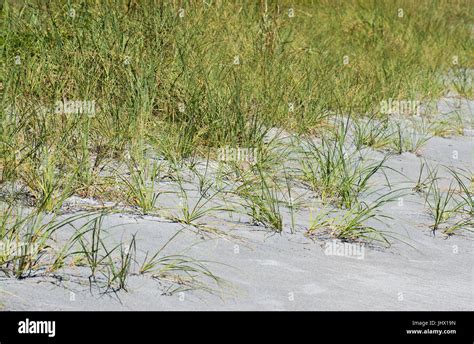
{"x": 29, "y": 247}
{"x": 337, "y": 173}
{"x": 218, "y": 75}
{"x": 97, "y": 92}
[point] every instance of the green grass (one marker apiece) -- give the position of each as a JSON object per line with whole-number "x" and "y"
{"x": 409, "y": 137}
{"x": 440, "y": 204}
{"x": 140, "y": 185}
{"x": 185, "y": 272}
{"x": 372, "y": 133}
{"x": 29, "y": 248}
{"x": 175, "y": 89}
{"x": 337, "y": 173}
{"x": 31, "y": 237}
{"x": 425, "y": 179}
{"x": 465, "y": 181}
{"x": 139, "y": 62}
{"x": 191, "y": 211}
{"x": 261, "y": 202}
{"x": 465, "y": 201}
{"x": 353, "y": 224}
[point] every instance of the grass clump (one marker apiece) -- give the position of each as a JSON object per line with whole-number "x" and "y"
{"x": 425, "y": 180}
{"x": 27, "y": 242}
{"x": 372, "y": 133}
{"x": 409, "y": 136}
{"x": 29, "y": 247}
{"x": 140, "y": 184}
{"x": 262, "y": 204}
{"x": 440, "y": 204}
{"x": 335, "y": 172}
{"x": 356, "y": 223}
{"x": 465, "y": 201}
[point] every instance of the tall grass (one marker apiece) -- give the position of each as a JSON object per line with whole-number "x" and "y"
{"x": 219, "y": 75}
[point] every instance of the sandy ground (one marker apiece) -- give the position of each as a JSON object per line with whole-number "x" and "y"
{"x": 265, "y": 271}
